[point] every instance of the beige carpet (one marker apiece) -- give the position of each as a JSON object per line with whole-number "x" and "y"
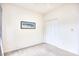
{"x": 40, "y": 50}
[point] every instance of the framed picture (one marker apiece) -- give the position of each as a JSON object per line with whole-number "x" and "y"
{"x": 28, "y": 25}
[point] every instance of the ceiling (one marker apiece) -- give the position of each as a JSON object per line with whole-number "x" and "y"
{"x": 42, "y": 8}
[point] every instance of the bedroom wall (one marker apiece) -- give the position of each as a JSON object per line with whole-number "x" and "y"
{"x": 0, "y": 21}
{"x": 62, "y": 28}
{"x": 14, "y": 37}
{"x": 0, "y": 31}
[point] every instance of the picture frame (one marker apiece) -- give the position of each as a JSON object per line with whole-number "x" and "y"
{"x": 28, "y": 25}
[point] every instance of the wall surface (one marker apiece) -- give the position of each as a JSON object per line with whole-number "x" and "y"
{"x": 62, "y": 28}
{"x": 0, "y": 21}
{"x": 0, "y": 31}
{"x": 14, "y": 37}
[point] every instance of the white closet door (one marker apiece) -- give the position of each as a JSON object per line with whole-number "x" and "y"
{"x": 63, "y": 35}
{"x": 52, "y": 33}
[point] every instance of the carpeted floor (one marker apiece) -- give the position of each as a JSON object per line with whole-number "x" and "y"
{"x": 40, "y": 50}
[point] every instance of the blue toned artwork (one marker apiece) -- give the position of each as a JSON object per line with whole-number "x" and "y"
{"x": 28, "y": 25}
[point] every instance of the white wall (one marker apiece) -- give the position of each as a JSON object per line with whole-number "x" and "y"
{"x": 0, "y": 21}
{"x": 0, "y": 31}
{"x": 14, "y": 37}
{"x": 62, "y": 28}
